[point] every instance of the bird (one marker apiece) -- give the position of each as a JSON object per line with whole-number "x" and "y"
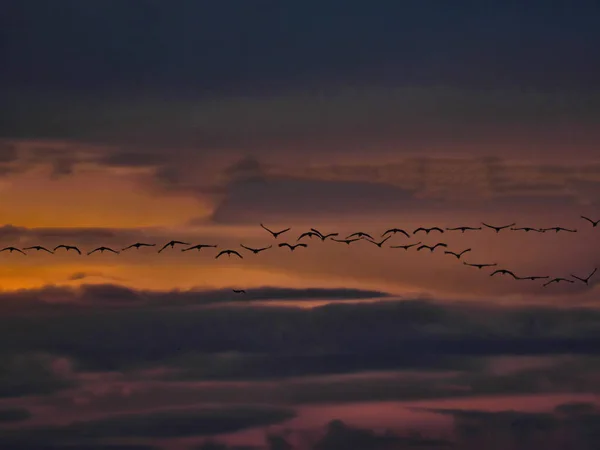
{"x": 463, "y": 229}
{"x": 380, "y": 243}
{"x": 458, "y": 255}
{"x": 172, "y": 244}
{"x": 504, "y": 272}
{"x": 198, "y": 247}
{"x": 137, "y": 246}
{"x": 428, "y": 230}
{"x": 67, "y": 248}
{"x": 275, "y": 233}
{"x": 101, "y": 250}
{"x": 405, "y": 247}
{"x": 346, "y": 241}
{"x": 528, "y": 229}
{"x": 308, "y": 234}
{"x": 292, "y": 247}
{"x": 585, "y": 280}
{"x": 557, "y": 280}
{"x": 396, "y": 230}
{"x": 480, "y": 266}
{"x": 557, "y": 229}
{"x": 324, "y": 236}
{"x": 498, "y": 228}
{"x": 593, "y": 222}
{"x": 228, "y": 253}
{"x": 256, "y": 251}
{"x": 12, "y": 249}
{"x": 532, "y": 278}
{"x": 239, "y": 291}
{"x": 359, "y": 234}
{"x": 38, "y": 248}
{"x": 431, "y": 249}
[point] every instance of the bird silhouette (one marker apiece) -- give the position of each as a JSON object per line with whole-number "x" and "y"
{"x": 229, "y": 253}
{"x": 428, "y": 230}
{"x": 359, "y": 234}
{"x": 585, "y": 280}
{"x": 137, "y": 246}
{"x": 431, "y": 249}
{"x": 308, "y": 234}
{"x": 480, "y": 266}
{"x": 12, "y": 249}
{"x": 458, "y": 255}
{"x": 239, "y": 291}
{"x": 256, "y": 251}
{"x": 380, "y": 243}
{"x": 67, "y": 248}
{"x": 528, "y": 229}
{"x": 275, "y": 233}
{"x": 557, "y": 229}
{"x": 396, "y": 230}
{"x": 102, "y": 249}
{"x": 172, "y": 244}
{"x": 593, "y": 222}
{"x": 557, "y": 280}
{"x": 38, "y": 248}
{"x": 346, "y": 241}
{"x": 292, "y": 247}
{"x": 504, "y": 272}
{"x": 198, "y": 247}
{"x": 533, "y": 278}
{"x": 497, "y": 229}
{"x": 324, "y": 236}
{"x": 463, "y": 229}
{"x": 405, "y": 247}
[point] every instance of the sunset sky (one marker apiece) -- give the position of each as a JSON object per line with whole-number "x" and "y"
{"x": 148, "y": 121}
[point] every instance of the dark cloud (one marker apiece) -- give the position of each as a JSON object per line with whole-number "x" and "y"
{"x": 128, "y": 158}
{"x": 14, "y": 415}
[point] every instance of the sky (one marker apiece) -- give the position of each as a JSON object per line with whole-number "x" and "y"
{"x": 152, "y": 121}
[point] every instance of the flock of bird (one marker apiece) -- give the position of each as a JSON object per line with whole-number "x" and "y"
{"x": 358, "y": 236}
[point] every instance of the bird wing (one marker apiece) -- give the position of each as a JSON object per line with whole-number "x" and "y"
{"x": 236, "y": 253}
{"x": 588, "y": 219}
{"x": 489, "y": 226}
{"x": 285, "y": 244}
{"x": 419, "y": 229}
{"x": 95, "y": 250}
{"x": 76, "y": 249}
{"x": 316, "y": 231}
{"x": 283, "y": 231}
{"x": 127, "y": 248}
{"x": 465, "y": 251}
{"x": 439, "y": 229}
{"x": 266, "y": 228}
{"x": 164, "y": 246}
{"x": 495, "y": 272}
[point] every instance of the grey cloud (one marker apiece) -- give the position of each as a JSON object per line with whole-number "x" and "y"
{"x": 14, "y": 415}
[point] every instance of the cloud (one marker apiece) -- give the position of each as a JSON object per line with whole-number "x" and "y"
{"x": 14, "y": 415}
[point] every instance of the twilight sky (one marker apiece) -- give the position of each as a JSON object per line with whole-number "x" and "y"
{"x": 153, "y": 120}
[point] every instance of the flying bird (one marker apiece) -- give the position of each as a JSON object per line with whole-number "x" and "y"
{"x": 324, "y": 236}
{"x": 308, "y": 234}
{"x": 38, "y": 248}
{"x": 102, "y": 249}
{"x": 275, "y": 233}
{"x": 228, "y": 253}
{"x": 557, "y": 229}
{"x": 463, "y": 229}
{"x": 428, "y": 230}
{"x": 458, "y": 255}
{"x": 12, "y": 249}
{"x": 239, "y": 291}
{"x": 360, "y": 234}
{"x": 346, "y": 241}
{"x": 497, "y": 229}
{"x": 172, "y": 244}
{"x": 67, "y": 248}
{"x": 431, "y": 249}
{"x": 380, "y": 243}
{"x": 557, "y": 280}
{"x": 504, "y": 272}
{"x": 585, "y": 280}
{"x": 137, "y": 246}
{"x": 405, "y": 247}
{"x": 256, "y": 251}
{"x": 198, "y": 247}
{"x": 532, "y": 278}
{"x": 396, "y": 230}
{"x": 593, "y": 222}
{"x": 292, "y": 247}
{"x": 480, "y": 266}
{"x": 528, "y": 229}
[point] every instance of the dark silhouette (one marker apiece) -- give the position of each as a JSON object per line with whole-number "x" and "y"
{"x": 458, "y": 255}
{"x": 275, "y": 233}
{"x": 256, "y": 251}
{"x": 102, "y": 249}
{"x": 324, "y": 236}
{"x": 67, "y": 248}
{"x": 557, "y": 229}
{"x": 431, "y": 249}
{"x": 229, "y": 253}
{"x": 239, "y": 291}
{"x": 292, "y": 247}
{"x": 346, "y": 241}
{"x": 172, "y": 244}
{"x": 405, "y": 247}
{"x": 38, "y": 248}
{"x": 497, "y": 229}
{"x": 593, "y": 222}
{"x": 428, "y": 230}
{"x": 585, "y": 280}
{"x": 480, "y": 266}
{"x": 463, "y": 229}
{"x": 532, "y": 278}
{"x": 380, "y": 243}
{"x": 360, "y": 235}
{"x": 504, "y": 272}
{"x": 137, "y": 246}
{"x": 12, "y": 249}
{"x": 396, "y": 230}
{"x": 557, "y": 280}
{"x": 528, "y": 229}
{"x": 198, "y": 247}
{"x": 308, "y": 234}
